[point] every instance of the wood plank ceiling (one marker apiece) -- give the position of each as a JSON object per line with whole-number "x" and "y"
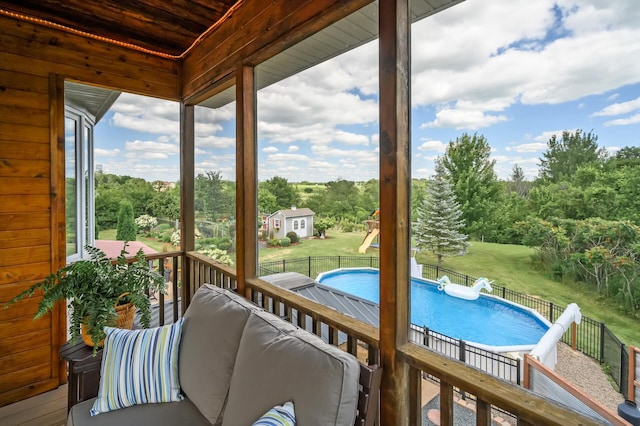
{"x": 165, "y": 27}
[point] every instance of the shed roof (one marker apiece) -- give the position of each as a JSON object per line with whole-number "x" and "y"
{"x": 295, "y": 212}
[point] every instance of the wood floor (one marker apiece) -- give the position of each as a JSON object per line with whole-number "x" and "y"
{"x": 47, "y": 409}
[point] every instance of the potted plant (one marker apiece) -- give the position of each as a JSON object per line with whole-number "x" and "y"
{"x": 96, "y": 288}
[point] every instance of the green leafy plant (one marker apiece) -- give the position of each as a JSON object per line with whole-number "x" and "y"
{"x": 95, "y": 286}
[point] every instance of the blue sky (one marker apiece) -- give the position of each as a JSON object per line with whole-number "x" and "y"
{"x": 516, "y": 72}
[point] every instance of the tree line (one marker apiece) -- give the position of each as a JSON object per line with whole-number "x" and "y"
{"x": 578, "y": 186}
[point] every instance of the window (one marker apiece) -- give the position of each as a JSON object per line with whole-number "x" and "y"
{"x": 276, "y": 223}
{"x": 302, "y": 224}
{"x": 79, "y": 182}
{"x": 295, "y": 224}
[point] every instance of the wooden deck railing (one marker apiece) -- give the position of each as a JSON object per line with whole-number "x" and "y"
{"x": 363, "y": 341}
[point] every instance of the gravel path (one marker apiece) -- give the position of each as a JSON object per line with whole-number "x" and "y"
{"x": 587, "y": 375}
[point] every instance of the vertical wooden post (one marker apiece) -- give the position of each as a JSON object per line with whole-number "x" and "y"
{"x": 187, "y": 196}
{"x": 395, "y": 180}
{"x": 246, "y": 177}
{"x": 446, "y": 403}
{"x": 58, "y": 219}
{"x": 483, "y": 413}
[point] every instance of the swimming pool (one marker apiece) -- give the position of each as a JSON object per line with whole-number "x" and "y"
{"x": 488, "y": 321}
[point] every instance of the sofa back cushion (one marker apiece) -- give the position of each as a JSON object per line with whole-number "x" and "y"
{"x": 211, "y": 333}
{"x": 278, "y": 362}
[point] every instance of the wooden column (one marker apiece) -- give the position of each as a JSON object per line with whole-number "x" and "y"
{"x": 187, "y": 195}
{"x": 395, "y": 180}
{"x": 246, "y": 177}
{"x": 58, "y": 218}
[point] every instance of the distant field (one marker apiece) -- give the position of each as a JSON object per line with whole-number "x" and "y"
{"x": 307, "y": 190}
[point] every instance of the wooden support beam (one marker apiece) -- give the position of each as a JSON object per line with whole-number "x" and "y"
{"x": 58, "y": 219}
{"x": 246, "y": 176}
{"x": 187, "y": 194}
{"x": 395, "y": 180}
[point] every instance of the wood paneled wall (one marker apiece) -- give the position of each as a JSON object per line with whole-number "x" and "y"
{"x": 34, "y": 60}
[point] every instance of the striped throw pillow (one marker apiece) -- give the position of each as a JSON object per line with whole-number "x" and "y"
{"x": 139, "y": 367}
{"x": 280, "y": 415}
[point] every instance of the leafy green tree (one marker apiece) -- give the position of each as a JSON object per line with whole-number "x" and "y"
{"x": 166, "y": 204}
{"x": 518, "y": 183}
{"x": 211, "y": 196}
{"x": 322, "y": 224}
{"x": 126, "y": 230}
{"x": 563, "y": 157}
{"x": 286, "y": 194}
{"x": 267, "y": 202}
{"x": 439, "y": 220}
{"x": 471, "y": 172}
{"x": 627, "y": 156}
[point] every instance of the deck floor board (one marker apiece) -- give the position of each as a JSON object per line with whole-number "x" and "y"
{"x": 47, "y": 409}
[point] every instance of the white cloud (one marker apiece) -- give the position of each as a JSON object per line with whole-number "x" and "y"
{"x": 463, "y": 119}
{"x": 545, "y": 136}
{"x": 217, "y": 142}
{"x": 624, "y": 121}
{"x": 619, "y": 108}
{"x": 270, "y": 149}
{"x": 98, "y": 152}
{"x": 432, "y": 145}
{"x": 151, "y": 147}
{"x": 293, "y": 148}
{"x": 528, "y": 147}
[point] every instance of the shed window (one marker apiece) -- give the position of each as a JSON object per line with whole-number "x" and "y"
{"x": 295, "y": 224}
{"x": 302, "y": 224}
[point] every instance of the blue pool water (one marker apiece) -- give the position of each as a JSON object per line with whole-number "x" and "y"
{"x": 486, "y": 320}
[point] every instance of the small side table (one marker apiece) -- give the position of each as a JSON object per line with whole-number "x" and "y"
{"x": 84, "y": 371}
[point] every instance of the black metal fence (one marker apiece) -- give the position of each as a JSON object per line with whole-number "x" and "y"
{"x": 490, "y": 362}
{"x": 593, "y": 338}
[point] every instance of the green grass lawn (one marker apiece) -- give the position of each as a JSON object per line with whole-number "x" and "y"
{"x": 336, "y": 243}
{"x": 508, "y": 265}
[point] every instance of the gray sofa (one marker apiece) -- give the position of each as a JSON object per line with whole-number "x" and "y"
{"x": 237, "y": 361}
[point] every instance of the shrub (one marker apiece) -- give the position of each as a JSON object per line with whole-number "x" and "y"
{"x": 284, "y": 242}
{"x": 146, "y": 222}
{"x": 225, "y": 244}
{"x": 126, "y": 230}
{"x": 164, "y": 226}
{"x": 175, "y": 238}
{"x": 293, "y": 236}
{"x": 274, "y": 242}
{"x": 215, "y": 253}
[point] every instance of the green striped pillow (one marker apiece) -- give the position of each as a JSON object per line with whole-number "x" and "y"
{"x": 139, "y": 367}
{"x": 280, "y": 415}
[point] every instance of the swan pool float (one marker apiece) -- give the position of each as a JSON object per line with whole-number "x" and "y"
{"x": 461, "y": 291}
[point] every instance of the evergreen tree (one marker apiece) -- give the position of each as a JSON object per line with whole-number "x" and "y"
{"x": 126, "y": 230}
{"x": 439, "y": 220}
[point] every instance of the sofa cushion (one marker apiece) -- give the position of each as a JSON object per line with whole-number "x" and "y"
{"x": 139, "y": 367}
{"x": 213, "y": 325}
{"x": 278, "y": 362}
{"x": 166, "y": 413}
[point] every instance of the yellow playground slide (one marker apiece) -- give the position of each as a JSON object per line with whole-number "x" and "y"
{"x": 367, "y": 241}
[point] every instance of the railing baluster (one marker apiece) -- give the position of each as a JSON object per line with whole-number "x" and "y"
{"x": 446, "y": 403}
{"x": 483, "y": 413}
